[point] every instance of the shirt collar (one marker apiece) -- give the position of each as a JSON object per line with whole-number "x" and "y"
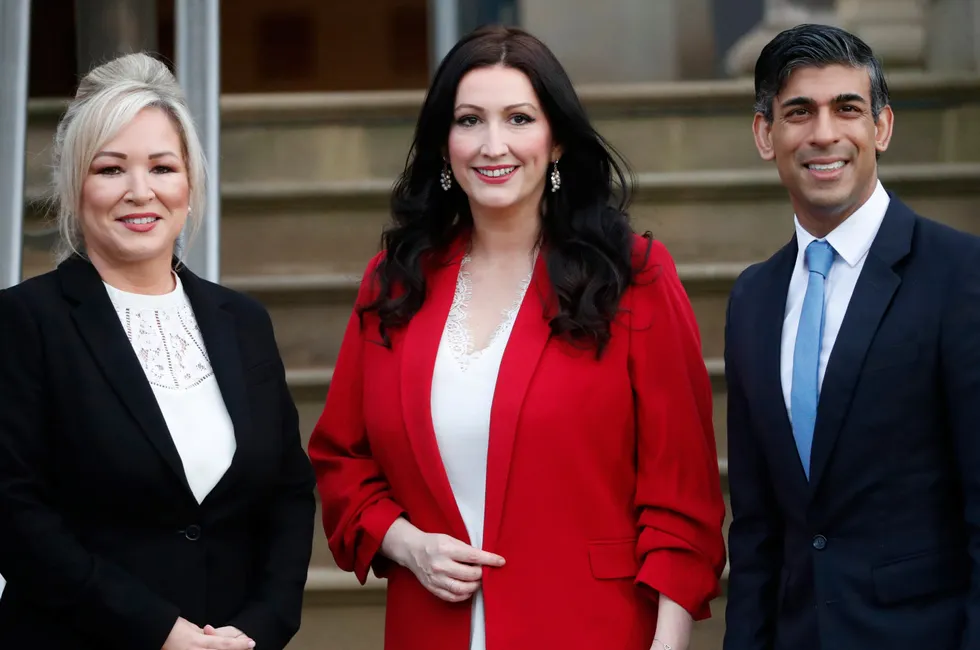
{"x": 852, "y": 239}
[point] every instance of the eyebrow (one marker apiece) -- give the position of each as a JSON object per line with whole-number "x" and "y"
{"x": 843, "y": 98}
{"x": 122, "y": 156}
{"x": 509, "y": 107}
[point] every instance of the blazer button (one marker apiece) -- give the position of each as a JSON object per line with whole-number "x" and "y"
{"x": 193, "y": 532}
{"x": 819, "y": 542}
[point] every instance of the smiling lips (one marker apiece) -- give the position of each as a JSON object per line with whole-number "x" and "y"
{"x": 140, "y": 222}
{"x": 826, "y": 170}
{"x": 497, "y": 174}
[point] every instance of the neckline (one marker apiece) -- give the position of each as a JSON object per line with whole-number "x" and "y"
{"x": 130, "y": 300}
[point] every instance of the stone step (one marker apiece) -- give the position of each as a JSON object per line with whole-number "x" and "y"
{"x": 309, "y": 388}
{"x": 310, "y": 312}
{"x": 272, "y": 228}
{"x": 339, "y": 612}
{"x": 673, "y": 126}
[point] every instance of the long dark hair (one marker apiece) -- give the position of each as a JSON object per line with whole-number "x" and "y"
{"x": 585, "y": 236}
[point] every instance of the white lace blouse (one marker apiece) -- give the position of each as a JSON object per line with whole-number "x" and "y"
{"x": 168, "y": 343}
{"x": 463, "y": 384}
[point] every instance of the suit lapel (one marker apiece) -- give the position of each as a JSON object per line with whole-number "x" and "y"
{"x": 220, "y": 335}
{"x": 106, "y": 339}
{"x": 770, "y": 333}
{"x": 872, "y": 295}
{"x": 420, "y": 346}
{"x": 527, "y": 342}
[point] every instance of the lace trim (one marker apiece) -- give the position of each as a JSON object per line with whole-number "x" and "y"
{"x": 458, "y": 335}
{"x": 169, "y": 346}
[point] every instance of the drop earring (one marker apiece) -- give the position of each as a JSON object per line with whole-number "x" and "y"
{"x": 555, "y": 177}
{"x": 446, "y": 177}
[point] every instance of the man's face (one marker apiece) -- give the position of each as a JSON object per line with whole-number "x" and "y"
{"x": 824, "y": 140}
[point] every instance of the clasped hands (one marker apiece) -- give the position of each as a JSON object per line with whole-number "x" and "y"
{"x": 187, "y": 636}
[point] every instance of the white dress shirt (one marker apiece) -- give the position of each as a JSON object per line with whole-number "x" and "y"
{"x": 851, "y": 241}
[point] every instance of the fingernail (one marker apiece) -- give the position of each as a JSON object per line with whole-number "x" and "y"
{"x": 251, "y": 644}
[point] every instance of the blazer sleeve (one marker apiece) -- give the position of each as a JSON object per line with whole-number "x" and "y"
{"x": 678, "y": 494}
{"x": 755, "y": 538}
{"x": 960, "y": 360}
{"x": 272, "y": 616}
{"x": 358, "y": 508}
{"x": 39, "y": 556}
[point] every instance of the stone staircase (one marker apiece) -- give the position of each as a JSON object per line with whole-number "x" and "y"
{"x": 305, "y": 183}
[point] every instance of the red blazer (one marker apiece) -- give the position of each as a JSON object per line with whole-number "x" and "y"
{"x": 602, "y": 476}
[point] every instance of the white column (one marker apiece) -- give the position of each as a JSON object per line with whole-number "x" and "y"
{"x": 953, "y": 36}
{"x": 444, "y": 30}
{"x": 14, "y": 40}
{"x": 608, "y": 42}
{"x": 895, "y": 29}
{"x": 779, "y": 15}
{"x": 199, "y": 72}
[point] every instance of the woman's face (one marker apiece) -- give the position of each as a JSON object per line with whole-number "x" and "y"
{"x": 136, "y": 194}
{"x": 500, "y": 144}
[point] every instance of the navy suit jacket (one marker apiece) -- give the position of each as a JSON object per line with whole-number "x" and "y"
{"x": 880, "y": 549}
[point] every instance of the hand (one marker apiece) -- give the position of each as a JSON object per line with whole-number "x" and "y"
{"x": 447, "y": 567}
{"x": 187, "y": 636}
{"x": 227, "y": 631}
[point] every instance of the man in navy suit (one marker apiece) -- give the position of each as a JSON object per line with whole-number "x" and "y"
{"x": 853, "y": 365}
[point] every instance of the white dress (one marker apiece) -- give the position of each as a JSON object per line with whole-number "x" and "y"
{"x": 168, "y": 343}
{"x": 463, "y": 384}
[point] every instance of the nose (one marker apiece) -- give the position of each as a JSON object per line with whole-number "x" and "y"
{"x": 140, "y": 189}
{"x": 494, "y": 146}
{"x": 824, "y": 131}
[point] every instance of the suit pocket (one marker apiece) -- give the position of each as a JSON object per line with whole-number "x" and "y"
{"x": 924, "y": 574}
{"x": 613, "y": 559}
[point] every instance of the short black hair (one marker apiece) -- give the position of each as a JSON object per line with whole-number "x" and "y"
{"x": 814, "y": 46}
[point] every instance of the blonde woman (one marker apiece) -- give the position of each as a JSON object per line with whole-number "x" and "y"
{"x": 154, "y": 494}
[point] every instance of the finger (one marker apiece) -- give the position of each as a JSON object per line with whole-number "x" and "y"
{"x": 447, "y": 596}
{"x": 460, "y": 588}
{"x": 470, "y": 555}
{"x": 459, "y": 571}
{"x": 209, "y": 630}
{"x": 223, "y": 643}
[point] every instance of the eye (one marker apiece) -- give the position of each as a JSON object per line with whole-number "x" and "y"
{"x": 797, "y": 112}
{"x": 521, "y": 119}
{"x": 112, "y": 170}
{"x": 467, "y": 120}
{"x": 850, "y": 108}
{"x": 163, "y": 169}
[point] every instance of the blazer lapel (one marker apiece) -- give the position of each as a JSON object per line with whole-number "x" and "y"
{"x": 102, "y": 331}
{"x": 420, "y": 346}
{"x": 527, "y": 342}
{"x": 220, "y": 335}
{"x": 769, "y": 341}
{"x": 872, "y": 295}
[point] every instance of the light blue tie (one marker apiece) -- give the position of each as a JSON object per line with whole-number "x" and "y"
{"x": 805, "y": 391}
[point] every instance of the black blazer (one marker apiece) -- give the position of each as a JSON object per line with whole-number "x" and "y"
{"x": 881, "y": 548}
{"x": 102, "y": 543}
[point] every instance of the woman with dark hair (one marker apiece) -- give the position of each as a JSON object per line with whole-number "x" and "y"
{"x": 518, "y": 433}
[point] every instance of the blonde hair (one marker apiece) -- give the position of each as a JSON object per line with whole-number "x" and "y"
{"x": 108, "y": 98}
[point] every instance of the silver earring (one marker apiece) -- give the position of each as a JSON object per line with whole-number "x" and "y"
{"x": 555, "y": 177}
{"x": 446, "y": 177}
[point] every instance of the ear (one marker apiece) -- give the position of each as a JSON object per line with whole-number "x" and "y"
{"x": 762, "y": 130}
{"x": 556, "y": 153}
{"x": 883, "y": 129}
